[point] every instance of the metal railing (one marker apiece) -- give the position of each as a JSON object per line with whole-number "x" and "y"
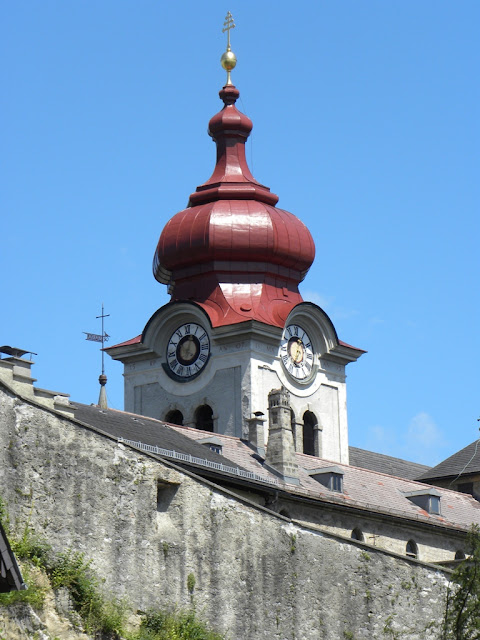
{"x": 186, "y": 457}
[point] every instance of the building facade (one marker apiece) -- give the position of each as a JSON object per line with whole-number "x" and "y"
{"x": 237, "y": 326}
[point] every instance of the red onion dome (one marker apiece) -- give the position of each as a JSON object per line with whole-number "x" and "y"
{"x": 232, "y": 232}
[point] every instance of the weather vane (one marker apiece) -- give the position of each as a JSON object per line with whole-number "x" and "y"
{"x": 228, "y": 59}
{"x": 103, "y": 337}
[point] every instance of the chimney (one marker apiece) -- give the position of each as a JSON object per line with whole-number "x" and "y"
{"x": 15, "y": 371}
{"x": 256, "y": 432}
{"x": 280, "y": 448}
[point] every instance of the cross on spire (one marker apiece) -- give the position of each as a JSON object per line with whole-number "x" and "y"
{"x": 227, "y": 25}
{"x": 228, "y": 59}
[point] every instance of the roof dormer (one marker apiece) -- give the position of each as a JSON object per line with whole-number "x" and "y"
{"x": 330, "y": 477}
{"x": 426, "y": 499}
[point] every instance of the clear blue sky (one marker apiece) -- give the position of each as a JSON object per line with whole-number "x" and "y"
{"x": 366, "y": 124}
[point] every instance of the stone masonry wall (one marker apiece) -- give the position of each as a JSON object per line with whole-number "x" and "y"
{"x": 433, "y": 544}
{"x": 257, "y": 576}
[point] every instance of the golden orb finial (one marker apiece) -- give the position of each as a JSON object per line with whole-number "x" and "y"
{"x": 228, "y": 59}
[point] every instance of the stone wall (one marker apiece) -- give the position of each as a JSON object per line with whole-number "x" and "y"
{"x": 434, "y": 545}
{"x": 148, "y": 526}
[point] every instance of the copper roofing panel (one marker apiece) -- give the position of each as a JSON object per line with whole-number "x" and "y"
{"x": 231, "y": 231}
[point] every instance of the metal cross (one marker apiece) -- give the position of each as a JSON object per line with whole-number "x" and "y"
{"x": 227, "y": 25}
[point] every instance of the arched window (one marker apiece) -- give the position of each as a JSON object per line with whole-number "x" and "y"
{"x": 204, "y": 418}
{"x": 357, "y": 534}
{"x": 174, "y": 417}
{"x": 459, "y": 555}
{"x": 412, "y": 549}
{"x": 309, "y": 424}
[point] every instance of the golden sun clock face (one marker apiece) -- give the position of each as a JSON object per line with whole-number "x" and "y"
{"x": 188, "y": 351}
{"x": 296, "y": 352}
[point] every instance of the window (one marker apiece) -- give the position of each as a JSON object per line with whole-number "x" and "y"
{"x": 434, "y": 505}
{"x": 309, "y": 424}
{"x": 336, "y": 483}
{"x": 459, "y": 555}
{"x": 215, "y": 448}
{"x": 204, "y": 418}
{"x": 412, "y": 549}
{"x": 174, "y": 417}
{"x": 357, "y": 534}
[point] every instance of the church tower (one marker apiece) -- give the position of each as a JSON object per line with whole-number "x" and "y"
{"x": 236, "y": 326}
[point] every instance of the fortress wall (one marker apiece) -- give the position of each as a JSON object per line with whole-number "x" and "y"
{"x": 257, "y": 576}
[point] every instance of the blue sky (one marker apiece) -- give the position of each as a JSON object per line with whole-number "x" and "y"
{"x": 366, "y": 124}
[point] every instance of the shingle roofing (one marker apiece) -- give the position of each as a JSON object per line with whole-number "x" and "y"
{"x": 130, "y": 426}
{"x": 386, "y": 464}
{"x": 363, "y": 488}
{"x": 465, "y": 461}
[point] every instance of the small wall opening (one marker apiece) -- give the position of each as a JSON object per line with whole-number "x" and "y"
{"x": 165, "y": 494}
{"x": 459, "y": 555}
{"x": 412, "y": 549}
{"x": 204, "y": 418}
{"x": 174, "y": 417}
{"x": 357, "y": 534}
{"x": 309, "y": 425}
{"x": 285, "y": 513}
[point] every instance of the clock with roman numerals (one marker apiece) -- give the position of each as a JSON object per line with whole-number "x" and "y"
{"x": 296, "y": 352}
{"x": 188, "y": 351}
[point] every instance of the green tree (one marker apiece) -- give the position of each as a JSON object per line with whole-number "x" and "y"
{"x": 462, "y": 609}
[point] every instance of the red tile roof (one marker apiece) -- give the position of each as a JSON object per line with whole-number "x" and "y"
{"x": 363, "y": 488}
{"x": 127, "y": 342}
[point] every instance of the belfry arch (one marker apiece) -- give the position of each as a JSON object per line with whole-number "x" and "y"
{"x": 311, "y": 444}
{"x": 174, "y": 416}
{"x": 204, "y": 418}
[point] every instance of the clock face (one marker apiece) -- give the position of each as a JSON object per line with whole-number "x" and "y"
{"x": 296, "y": 352}
{"x": 188, "y": 350}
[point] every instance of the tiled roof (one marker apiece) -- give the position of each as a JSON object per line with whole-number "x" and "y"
{"x": 130, "y": 426}
{"x": 364, "y": 488}
{"x": 350, "y": 346}
{"x": 135, "y": 340}
{"x": 386, "y": 464}
{"x": 465, "y": 461}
